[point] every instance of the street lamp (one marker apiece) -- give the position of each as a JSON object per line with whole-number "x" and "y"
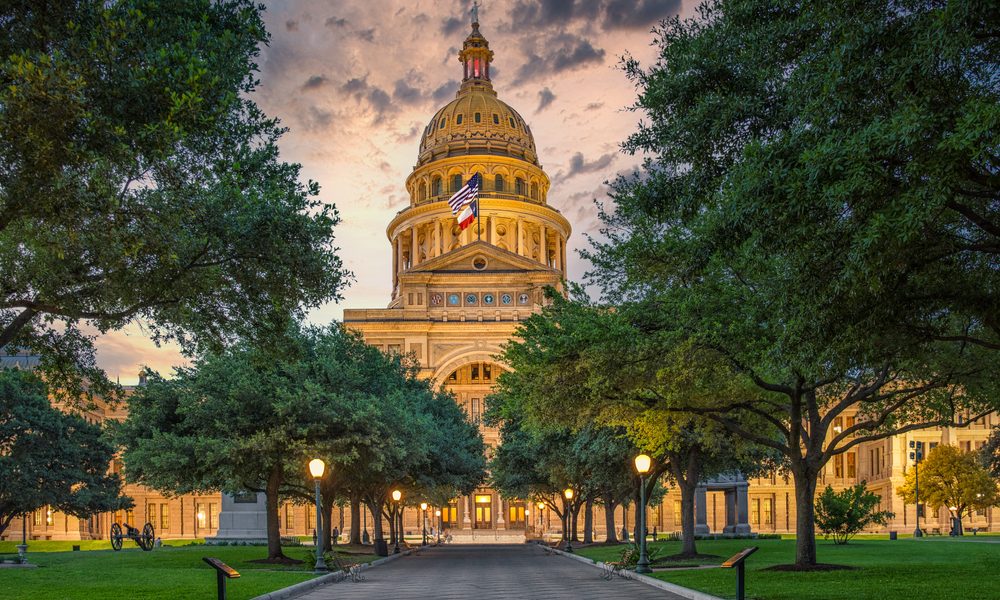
{"x": 396, "y": 497}
{"x": 642, "y": 463}
{"x": 568, "y": 493}
{"x": 954, "y": 520}
{"x": 316, "y": 469}
{"x": 916, "y": 456}
{"x": 423, "y": 517}
{"x": 437, "y": 513}
{"x": 541, "y": 522}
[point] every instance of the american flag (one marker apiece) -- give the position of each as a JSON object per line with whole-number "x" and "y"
{"x": 468, "y": 193}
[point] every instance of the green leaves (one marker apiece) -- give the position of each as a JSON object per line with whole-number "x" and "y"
{"x": 849, "y": 512}
{"x": 138, "y": 182}
{"x": 50, "y": 458}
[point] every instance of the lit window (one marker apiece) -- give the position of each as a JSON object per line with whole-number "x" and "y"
{"x": 487, "y": 372}
{"x": 456, "y": 183}
{"x": 164, "y": 517}
{"x": 475, "y": 372}
{"x": 202, "y": 516}
{"x": 838, "y": 465}
{"x": 852, "y": 464}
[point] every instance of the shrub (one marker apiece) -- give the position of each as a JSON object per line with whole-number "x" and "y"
{"x": 844, "y": 514}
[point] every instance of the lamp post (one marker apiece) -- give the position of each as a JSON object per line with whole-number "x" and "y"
{"x": 541, "y": 521}
{"x": 916, "y": 456}
{"x": 568, "y": 493}
{"x": 396, "y": 497}
{"x": 437, "y": 513}
{"x": 423, "y": 521}
{"x": 954, "y": 520}
{"x": 642, "y": 463}
{"x": 316, "y": 469}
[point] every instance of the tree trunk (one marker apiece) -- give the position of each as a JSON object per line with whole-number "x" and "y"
{"x": 609, "y": 522}
{"x": 274, "y": 480}
{"x": 355, "y": 520}
{"x": 376, "y": 512}
{"x": 588, "y": 522}
{"x": 688, "y": 489}
{"x": 805, "y": 517}
{"x": 393, "y": 521}
{"x": 575, "y": 517}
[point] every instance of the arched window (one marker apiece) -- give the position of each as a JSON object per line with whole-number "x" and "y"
{"x": 436, "y": 186}
{"x": 422, "y": 192}
{"x": 496, "y": 119}
{"x": 479, "y": 117}
{"x": 498, "y": 183}
{"x": 512, "y": 124}
{"x": 519, "y": 186}
{"x": 456, "y": 183}
{"x": 534, "y": 191}
{"x": 458, "y": 120}
{"x": 441, "y": 125}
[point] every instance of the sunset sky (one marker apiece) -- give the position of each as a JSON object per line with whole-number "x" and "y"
{"x": 356, "y": 82}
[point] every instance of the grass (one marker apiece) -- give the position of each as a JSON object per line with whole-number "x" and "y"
{"x": 928, "y": 569}
{"x": 173, "y": 571}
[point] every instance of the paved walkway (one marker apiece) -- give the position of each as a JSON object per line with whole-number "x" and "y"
{"x": 464, "y": 572}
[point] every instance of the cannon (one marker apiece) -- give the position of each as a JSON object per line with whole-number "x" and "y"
{"x": 144, "y": 539}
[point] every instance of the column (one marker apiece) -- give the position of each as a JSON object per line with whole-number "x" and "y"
{"x": 415, "y": 251}
{"x": 701, "y": 512}
{"x": 730, "y": 512}
{"x": 492, "y": 239}
{"x": 543, "y": 251}
{"x": 466, "y": 522}
{"x": 562, "y": 255}
{"x": 743, "y": 508}
{"x": 438, "y": 242}
{"x": 399, "y": 253}
{"x": 395, "y": 266}
{"x": 501, "y": 524}
{"x": 519, "y": 234}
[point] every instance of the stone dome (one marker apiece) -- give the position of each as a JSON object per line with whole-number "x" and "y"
{"x": 477, "y": 122}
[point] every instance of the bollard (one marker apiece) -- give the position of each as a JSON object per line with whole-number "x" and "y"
{"x": 222, "y": 573}
{"x": 737, "y": 563}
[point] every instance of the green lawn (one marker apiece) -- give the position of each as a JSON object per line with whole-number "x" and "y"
{"x": 927, "y": 569}
{"x": 174, "y": 571}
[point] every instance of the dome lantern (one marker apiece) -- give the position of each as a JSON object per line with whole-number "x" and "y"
{"x": 475, "y": 56}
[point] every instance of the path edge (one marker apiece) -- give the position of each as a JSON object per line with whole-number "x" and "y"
{"x": 650, "y": 581}
{"x": 302, "y": 587}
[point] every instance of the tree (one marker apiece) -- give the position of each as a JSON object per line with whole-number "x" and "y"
{"x": 242, "y": 419}
{"x": 801, "y": 227}
{"x": 50, "y": 458}
{"x": 138, "y": 181}
{"x": 846, "y": 513}
{"x": 952, "y": 479}
{"x": 989, "y": 454}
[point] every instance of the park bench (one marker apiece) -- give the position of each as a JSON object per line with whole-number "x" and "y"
{"x": 353, "y": 570}
{"x": 612, "y": 568}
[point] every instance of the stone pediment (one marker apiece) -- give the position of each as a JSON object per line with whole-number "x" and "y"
{"x": 479, "y": 257}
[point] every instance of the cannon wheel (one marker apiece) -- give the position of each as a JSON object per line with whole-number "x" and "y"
{"x": 146, "y": 538}
{"x": 116, "y": 536}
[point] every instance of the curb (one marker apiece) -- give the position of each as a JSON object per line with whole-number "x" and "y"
{"x": 306, "y": 586}
{"x": 650, "y": 581}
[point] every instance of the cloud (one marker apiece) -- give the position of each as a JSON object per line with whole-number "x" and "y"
{"x": 565, "y": 52}
{"x": 375, "y": 97}
{"x": 451, "y": 26}
{"x": 367, "y": 35}
{"x": 545, "y": 14}
{"x": 292, "y": 25}
{"x": 338, "y": 22}
{"x": 445, "y": 92}
{"x": 594, "y": 106}
{"x": 545, "y": 98}
{"x": 579, "y": 165}
{"x": 316, "y": 81}
{"x": 406, "y": 94}
{"x": 632, "y": 14}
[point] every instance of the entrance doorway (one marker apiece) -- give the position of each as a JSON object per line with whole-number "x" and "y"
{"x": 449, "y": 516}
{"x": 516, "y": 515}
{"x": 484, "y": 512}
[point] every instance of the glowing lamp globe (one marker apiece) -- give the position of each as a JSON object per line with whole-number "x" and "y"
{"x": 396, "y": 495}
{"x": 316, "y": 468}
{"x": 642, "y": 463}
{"x": 423, "y": 506}
{"x": 568, "y": 492}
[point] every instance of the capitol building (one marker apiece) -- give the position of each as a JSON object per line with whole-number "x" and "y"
{"x": 458, "y": 296}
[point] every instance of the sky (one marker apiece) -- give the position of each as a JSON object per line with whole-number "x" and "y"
{"x": 356, "y": 82}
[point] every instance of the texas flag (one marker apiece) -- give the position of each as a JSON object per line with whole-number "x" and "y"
{"x": 469, "y": 213}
